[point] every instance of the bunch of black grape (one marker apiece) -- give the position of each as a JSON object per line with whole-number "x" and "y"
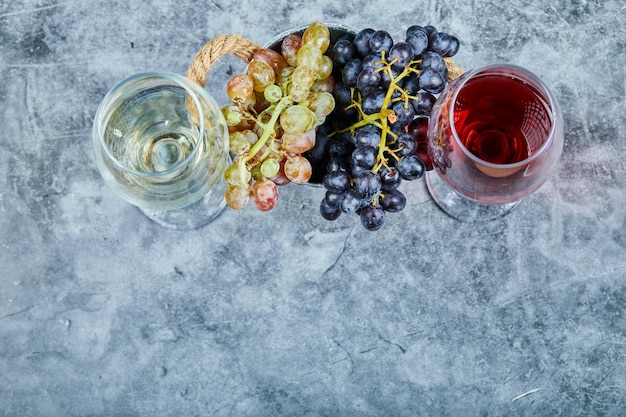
{"x": 376, "y": 136}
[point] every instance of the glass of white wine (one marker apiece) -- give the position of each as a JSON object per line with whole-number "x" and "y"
{"x": 161, "y": 142}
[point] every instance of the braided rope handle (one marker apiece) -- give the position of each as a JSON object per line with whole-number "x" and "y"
{"x": 216, "y": 48}
{"x": 244, "y": 48}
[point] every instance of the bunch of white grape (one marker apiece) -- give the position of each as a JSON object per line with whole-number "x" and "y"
{"x": 276, "y": 106}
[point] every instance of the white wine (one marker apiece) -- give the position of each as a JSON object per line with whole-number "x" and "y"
{"x": 152, "y": 147}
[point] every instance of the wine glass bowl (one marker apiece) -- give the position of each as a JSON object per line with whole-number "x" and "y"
{"x": 160, "y": 141}
{"x": 495, "y": 137}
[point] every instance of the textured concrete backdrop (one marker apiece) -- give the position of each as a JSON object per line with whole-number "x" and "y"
{"x": 104, "y": 313}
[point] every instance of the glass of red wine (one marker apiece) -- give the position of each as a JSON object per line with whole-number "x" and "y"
{"x": 495, "y": 137}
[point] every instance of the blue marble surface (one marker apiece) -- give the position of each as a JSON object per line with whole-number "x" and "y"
{"x": 105, "y": 313}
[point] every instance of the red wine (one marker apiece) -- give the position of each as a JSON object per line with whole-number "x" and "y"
{"x": 492, "y": 114}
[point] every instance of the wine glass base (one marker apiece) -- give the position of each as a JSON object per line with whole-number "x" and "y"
{"x": 462, "y": 208}
{"x": 194, "y": 216}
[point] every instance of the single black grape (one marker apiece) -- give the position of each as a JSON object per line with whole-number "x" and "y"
{"x": 350, "y": 73}
{"x": 411, "y": 84}
{"x": 368, "y": 79}
{"x": 342, "y": 93}
{"x": 411, "y": 167}
{"x": 341, "y": 145}
{"x": 343, "y": 51}
{"x": 372, "y": 217}
{"x": 424, "y": 103}
{"x": 368, "y": 135}
{"x": 357, "y": 170}
{"x": 401, "y": 53}
{"x": 337, "y": 181}
{"x": 406, "y": 144}
{"x": 332, "y": 199}
{"x": 338, "y": 163}
{"x": 390, "y": 178}
{"x": 364, "y": 156}
{"x": 392, "y": 201}
{"x": 380, "y": 41}
{"x": 350, "y": 202}
{"x": 433, "y": 60}
{"x": 329, "y": 212}
{"x": 404, "y": 112}
{"x": 373, "y": 61}
{"x": 373, "y": 101}
{"x": 368, "y": 184}
{"x": 432, "y": 81}
{"x": 418, "y": 39}
{"x": 362, "y": 41}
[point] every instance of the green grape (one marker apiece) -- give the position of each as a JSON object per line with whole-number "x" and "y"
{"x": 273, "y": 93}
{"x": 317, "y": 34}
{"x": 233, "y": 176}
{"x": 298, "y": 169}
{"x": 326, "y": 85}
{"x": 240, "y": 88}
{"x": 326, "y": 67}
{"x": 309, "y": 56}
{"x": 285, "y": 76}
{"x": 299, "y": 142}
{"x": 297, "y": 119}
{"x": 322, "y": 104}
{"x": 237, "y": 197}
{"x": 270, "y": 167}
{"x": 232, "y": 114}
{"x": 303, "y": 78}
{"x": 262, "y": 74}
{"x": 238, "y": 142}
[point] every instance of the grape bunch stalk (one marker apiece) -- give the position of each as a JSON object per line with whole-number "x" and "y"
{"x": 376, "y": 136}
{"x": 276, "y": 106}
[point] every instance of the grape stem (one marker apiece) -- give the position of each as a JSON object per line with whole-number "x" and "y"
{"x": 268, "y": 132}
{"x": 386, "y": 115}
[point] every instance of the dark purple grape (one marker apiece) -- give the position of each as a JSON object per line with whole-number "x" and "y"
{"x": 337, "y": 181}
{"x": 404, "y": 112}
{"x": 411, "y": 84}
{"x": 402, "y": 53}
{"x": 350, "y": 202}
{"x": 368, "y": 80}
{"x": 455, "y": 44}
{"x": 338, "y": 163}
{"x": 392, "y": 201}
{"x": 343, "y": 51}
{"x": 386, "y": 77}
{"x": 435, "y": 61}
{"x": 368, "y": 184}
{"x": 418, "y": 39}
{"x": 431, "y": 81}
{"x": 350, "y": 73}
{"x": 329, "y": 212}
{"x": 372, "y": 217}
{"x": 368, "y": 135}
{"x": 356, "y": 170}
{"x": 373, "y": 101}
{"x": 364, "y": 157}
{"x": 341, "y": 145}
{"x": 332, "y": 199}
{"x": 424, "y": 103}
{"x": 362, "y": 41}
{"x": 342, "y": 93}
{"x": 373, "y": 61}
{"x": 411, "y": 167}
{"x": 406, "y": 144}
{"x": 390, "y": 178}
{"x": 380, "y": 41}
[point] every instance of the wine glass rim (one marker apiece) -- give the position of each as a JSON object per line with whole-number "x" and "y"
{"x": 547, "y": 94}
{"x": 176, "y": 80}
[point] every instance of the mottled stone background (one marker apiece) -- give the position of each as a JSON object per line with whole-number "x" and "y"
{"x": 104, "y": 313}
